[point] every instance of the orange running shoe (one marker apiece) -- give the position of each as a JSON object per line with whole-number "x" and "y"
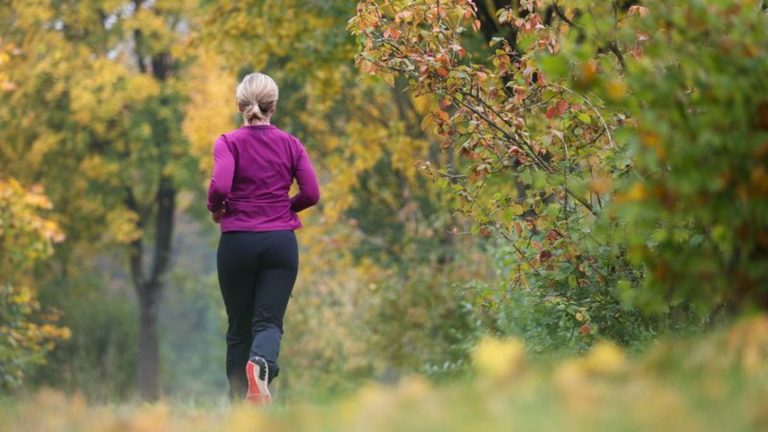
{"x": 257, "y": 371}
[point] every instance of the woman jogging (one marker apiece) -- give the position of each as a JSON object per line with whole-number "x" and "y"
{"x": 257, "y": 259}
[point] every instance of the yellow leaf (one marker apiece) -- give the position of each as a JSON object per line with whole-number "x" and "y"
{"x": 496, "y": 358}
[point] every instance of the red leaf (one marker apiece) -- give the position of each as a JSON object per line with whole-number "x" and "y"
{"x": 553, "y": 235}
{"x": 584, "y": 330}
{"x": 557, "y": 109}
{"x": 544, "y": 255}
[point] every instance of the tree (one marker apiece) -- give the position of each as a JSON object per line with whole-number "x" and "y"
{"x": 94, "y": 95}
{"x": 572, "y": 110}
{"x": 698, "y": 206}
{"x": 537, "y": 152}
{"x": 27, "y": 331}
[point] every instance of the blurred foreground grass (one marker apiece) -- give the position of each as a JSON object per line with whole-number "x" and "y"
{"x": 717, "y": 382}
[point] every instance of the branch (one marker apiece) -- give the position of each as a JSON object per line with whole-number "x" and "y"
{"x": 514, "y": 246}
{"x": 588, "y": 102}
{"x": 614, "y": 48}
{"x": 561, "y": 14}
{"x": 542, "y": 164}
{"x": 581, "y": 201}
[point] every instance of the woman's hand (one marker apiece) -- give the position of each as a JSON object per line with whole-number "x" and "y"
{"x": 216, "y": 216}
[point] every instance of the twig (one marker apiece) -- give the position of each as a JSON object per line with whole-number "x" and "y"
{"x": 514, "y": 246}
{"x": 563, "y": 17}
{"x": 516, "y": 140}
{"x": 588, "y": 102}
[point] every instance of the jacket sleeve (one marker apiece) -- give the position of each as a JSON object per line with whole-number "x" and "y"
{"x": 223, "y": 171}
{"x": 309, "y": 191}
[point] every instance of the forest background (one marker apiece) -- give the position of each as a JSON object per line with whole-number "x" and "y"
{"x": 575, "y": 176}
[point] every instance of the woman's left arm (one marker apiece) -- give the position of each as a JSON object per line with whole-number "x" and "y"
{"x": 223, "y": 171}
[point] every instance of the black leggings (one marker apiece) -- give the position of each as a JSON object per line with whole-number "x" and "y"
{"x": 257, "y": 271}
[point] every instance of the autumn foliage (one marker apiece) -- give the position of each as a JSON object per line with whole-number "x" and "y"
{"x": 27, "y": 330}
{"x": 605, "y": 144}
{"x": 519, "y": 197}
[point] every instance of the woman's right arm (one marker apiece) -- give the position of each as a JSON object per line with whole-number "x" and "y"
{"x": 309, "y": 191}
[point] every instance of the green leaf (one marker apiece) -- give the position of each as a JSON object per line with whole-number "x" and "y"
{"x": 554, "y": 66}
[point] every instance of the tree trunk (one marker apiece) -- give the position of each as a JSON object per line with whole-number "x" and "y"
{"x": 149, "y": 289}
{"x": 149, "y": 284}
{"x": 149, "y": 347}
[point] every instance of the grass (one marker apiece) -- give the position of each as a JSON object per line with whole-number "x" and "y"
{"x": 718, "y": 382}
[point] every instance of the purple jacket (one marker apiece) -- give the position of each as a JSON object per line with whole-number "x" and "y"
{"x": 253, "y": 169}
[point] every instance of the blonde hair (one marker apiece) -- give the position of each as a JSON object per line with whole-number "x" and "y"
{"x": 256, "y": 97}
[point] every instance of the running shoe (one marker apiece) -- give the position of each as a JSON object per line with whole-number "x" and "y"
{"x": 257, "y": 371}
